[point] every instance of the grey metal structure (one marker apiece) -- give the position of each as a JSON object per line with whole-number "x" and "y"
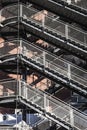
{"x": 23, "y": 55}
{"x": 53, "y": 30}
{"x": 49, "y": 106}
{"x": 43, "y": 61}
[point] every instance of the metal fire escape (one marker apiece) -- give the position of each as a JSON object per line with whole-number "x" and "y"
{"x": 18, "y": 20}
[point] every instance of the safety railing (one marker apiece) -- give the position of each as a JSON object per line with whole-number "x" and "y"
{"x": 9, "y": 48}
{"x": 9, "y": 12}
{"x": 8, "y": 88}
{"x": 44, "y": 58}
{"x": 56, "y": 107}
{"x": 15, "y": 11}
{"x": 56, "y": 26}
{"x": 49, "y": 103}
{"x": 60, "y": 28}
{"x": 54, "y": 63}
{"x": 78, "y": 3}
{"x": 42, "y": 18}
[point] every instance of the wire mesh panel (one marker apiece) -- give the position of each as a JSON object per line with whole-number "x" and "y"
{"x": 59, "y": 27}
{"x": 9, "y": 12}
{"x": 28, "y": 11}
{"x": 44, "y": 58}
{"x": 77, "y": 3}
{"x": 79, "y": 75}
{"x": 54, "y": 63}
{"x": 31, "y": 51}
{"x": 9, "y": 48}
{"x": 56, "y": 107}
{"x": 79, "y": 120}
{"x": 77, "y": 35}
{"x": 42, "y": 18}
{"x": 8, "y": 88}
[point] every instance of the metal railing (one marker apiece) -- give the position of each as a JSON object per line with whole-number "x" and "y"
{"x": 77, "y": 3}
{"x": 56, "y": 26}
{"x": 54, "y": 63}
{"x": 46, "y": 59}
{"x": 8, "y": 88}
{"x": 49, "y": 103}
{"x": 9, "y": 48}
{"x": 42, "y": 18}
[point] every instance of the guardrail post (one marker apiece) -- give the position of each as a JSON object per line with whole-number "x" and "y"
{"x": 47, "y": 105}
{"x": 69, "y": 71}
{"x": 19, "y": 87}
{"x": 71, "y": 117}
{"x": 66, "y": 31}
{"x": 21, "y": 11}
{"x": 26, "y": 92}
{"x": 20, "y": 49}
{"x": 24, "y": 51}
{"x": 24, "y": 87}
{"x": 1, "y": 18}
{"x": 44, "y": 58}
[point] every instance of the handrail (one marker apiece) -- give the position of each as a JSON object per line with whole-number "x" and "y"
{"x": 24, "y": 14}
{"x": 55, "y": 55}
{"x": 61, "y": 63}
{"x": 23, "y": 47}
{"x": 55, "y": 98}
{"x": 37, "y": 90}
{"x": 74, "y": 4}
{"x": 54, "y": 104}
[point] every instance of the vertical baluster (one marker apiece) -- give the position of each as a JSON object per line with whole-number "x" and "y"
{"x": 66, "y": 31}
{"x": 21, "y": 10}
{"x": 44, "y": 58}
{"x": 71, "y": 117}
{"x": 69, "y": 71}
